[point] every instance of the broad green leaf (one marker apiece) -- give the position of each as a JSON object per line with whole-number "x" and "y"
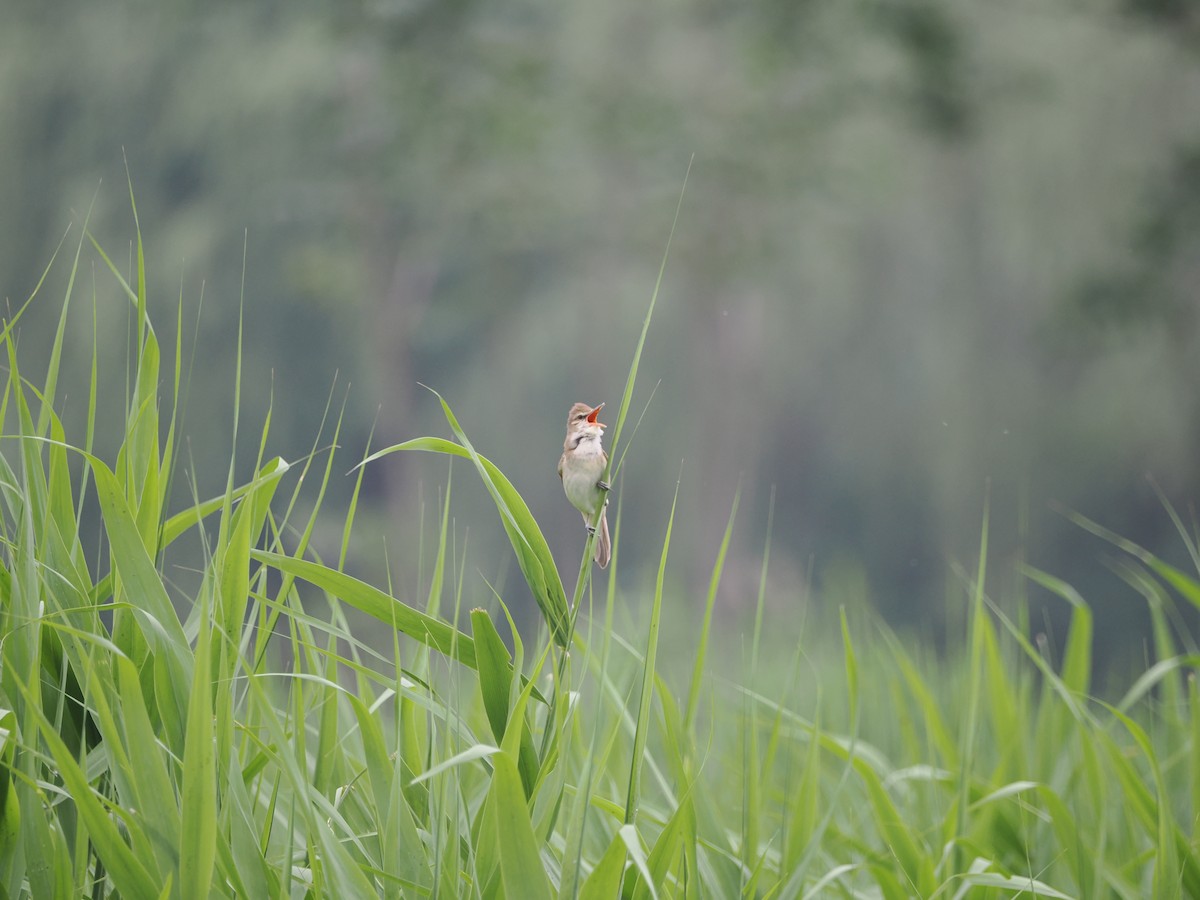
{"x": 234, "y": 559}
{"x": 1010, "y": 884}
{"x": 637, "y": 855}
{"x": 529, "y": 545}
{"x": 237, "y": 809}
{"x": 160, "y": 625}
{"x": 678, "y": 833}
{"x": 604, "y": 882}
{"x": 495, "y": 671}
{"x": 147, "y": 772}
{"x": 521, "y": 866}
{"x": 478, "y": 751}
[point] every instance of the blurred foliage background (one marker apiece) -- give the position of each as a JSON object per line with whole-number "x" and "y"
{"x": 927, "y": 246}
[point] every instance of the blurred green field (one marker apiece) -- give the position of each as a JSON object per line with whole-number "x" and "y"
{"x": 235, "y": 731}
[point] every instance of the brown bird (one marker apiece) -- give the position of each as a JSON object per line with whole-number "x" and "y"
{"x": 581, "y": 466}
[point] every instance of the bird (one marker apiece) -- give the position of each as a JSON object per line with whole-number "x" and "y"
{"x": 581, "y": 468}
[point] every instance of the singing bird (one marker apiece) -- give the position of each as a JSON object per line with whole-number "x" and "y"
{"x": 580, "y": 468}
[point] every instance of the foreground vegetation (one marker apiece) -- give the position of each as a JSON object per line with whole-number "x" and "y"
{"x": 238, "y": 738}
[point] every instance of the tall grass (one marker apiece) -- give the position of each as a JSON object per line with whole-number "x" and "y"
{"x": 243, "y": 741}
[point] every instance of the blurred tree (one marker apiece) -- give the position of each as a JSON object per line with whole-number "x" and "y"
{"x": 1178, "y": 16}
{"x": 936, "y": 50}
{"x": 216, "y": 116}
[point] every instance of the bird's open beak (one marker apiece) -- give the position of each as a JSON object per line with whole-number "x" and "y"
{"x": 592, "y": 416}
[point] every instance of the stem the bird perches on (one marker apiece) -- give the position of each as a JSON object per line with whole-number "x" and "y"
{"x": 610, "y": 472}
{"x": 585, "y": 568}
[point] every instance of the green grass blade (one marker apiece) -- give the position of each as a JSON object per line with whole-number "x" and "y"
{"x": 1193, "y": 760}
{"x": 10, "y": 808}
{"x": 478, "y": 751}
{"x": 374, "y": 602}
{"x": 930, "y": 715}
{"x": 182, "y": 522}
{"x": 1170, "y": 871}
{"x": 610, "y": 473}
{"x": 714, "y": 581}
{"x": 642, "y": 731}
{"x": 52, "y": 368}
{"x": 631, "y": 380}
{"x": 1077, "y": 657}
{"x": 199, "y": 794}
{"x": 976, "y": 665}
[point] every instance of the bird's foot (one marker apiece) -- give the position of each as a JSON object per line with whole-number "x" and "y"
{"x": 591, "y": 530}
{"x": 604, "y": 486}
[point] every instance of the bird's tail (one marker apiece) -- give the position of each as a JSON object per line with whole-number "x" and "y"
{"x": 603, "y": 544}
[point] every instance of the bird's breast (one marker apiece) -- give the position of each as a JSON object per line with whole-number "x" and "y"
{"x": 580, "y": 474}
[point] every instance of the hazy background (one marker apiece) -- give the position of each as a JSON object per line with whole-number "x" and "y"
{"x": 926, "y": 245}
